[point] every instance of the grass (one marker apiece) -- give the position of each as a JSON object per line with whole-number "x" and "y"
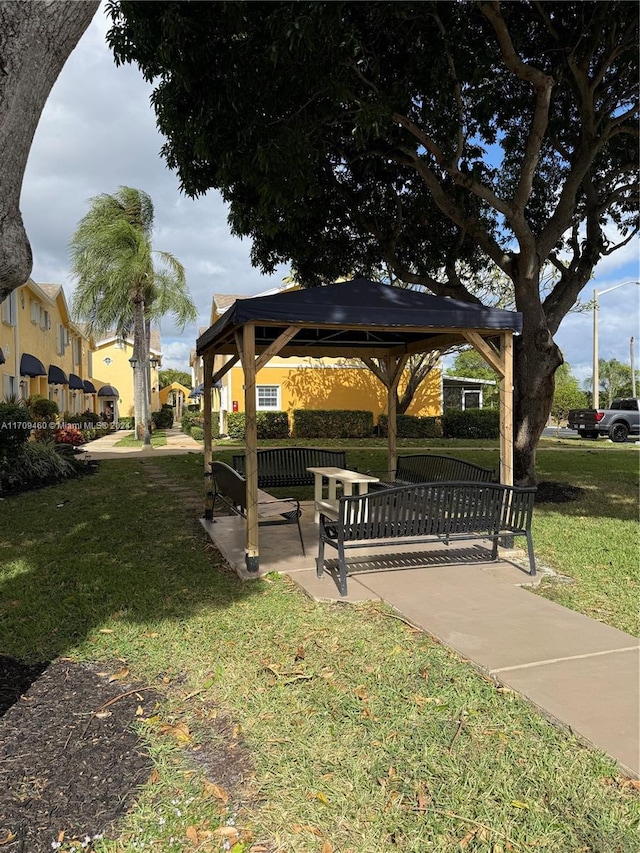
{"x": 158, "y": 439}
{"x": 361, "y": 735}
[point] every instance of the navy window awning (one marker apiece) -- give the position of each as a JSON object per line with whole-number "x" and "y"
{"x": 57, "y": 376}
{"x": 108, "y": 391}
{"x": 198, "y": 391}
{"x": 75, "y": 383}
{"x": 31, "y": 366}
{"x": 89, "y": 387}
{"x": 2, "y": 358}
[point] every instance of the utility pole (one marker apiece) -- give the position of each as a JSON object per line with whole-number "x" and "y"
{"x": 633, "y": 372}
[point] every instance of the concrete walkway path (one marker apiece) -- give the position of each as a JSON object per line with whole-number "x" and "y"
{"x": 178, "y": 442}
{"x": 578, "y": 672}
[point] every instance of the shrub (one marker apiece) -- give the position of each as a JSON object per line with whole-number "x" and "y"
{"x": 126, "y": 423}
{"x": 164, "y": 418}
{"x": 35, "y": 464}
{"x": 14, "y": 431}
{"x": 332, "y": 424}
{"x": 42, "y": 409}
{"x": 412, "y": 426}
{"x": 269, "y": 424}
{"x": 189, "y": 419}
{"x": 471, "y": 423}
{"x": 68, "y": 434}
{"x": 197, "y": 433}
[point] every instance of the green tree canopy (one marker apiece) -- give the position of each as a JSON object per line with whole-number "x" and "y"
{"x": 615, "y": 380}
{"x": 567, "y": 394}
{"x": 120, "y": 288}
{"x": 438, "y": 138}
{"x": 168, "y": 376}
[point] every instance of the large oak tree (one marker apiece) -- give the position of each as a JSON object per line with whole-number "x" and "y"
{"x": 36, "y": 39}
{"x": 439, "y": 138}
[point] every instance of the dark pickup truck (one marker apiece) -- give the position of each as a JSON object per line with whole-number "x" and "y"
{"x": 618, "y": 422}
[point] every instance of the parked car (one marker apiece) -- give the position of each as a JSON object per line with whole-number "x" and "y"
{"x": 618, "y": 422}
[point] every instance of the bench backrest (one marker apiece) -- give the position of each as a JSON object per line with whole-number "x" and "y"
{"x": 431, "y": 509}
{"x": 287, "y": 466}
{"x": 428, "y": 468}
{"x": 229, "y": 483}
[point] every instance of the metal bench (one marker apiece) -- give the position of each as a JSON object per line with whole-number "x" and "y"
{"x": 408, "y": 515}
{"x": 287, "y": 466}
{"x": 230, "y": 488}
{"x": 429, "y": 468}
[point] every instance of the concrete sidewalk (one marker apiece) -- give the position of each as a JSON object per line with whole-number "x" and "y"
{"x": 578, "y": 672}
{"x": 178, "y": 443}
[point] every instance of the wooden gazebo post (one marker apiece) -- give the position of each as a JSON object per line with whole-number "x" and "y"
{"x": 502, "y": 363}
{"x": 206, "y": 393}
{"x": 247, "y": 349}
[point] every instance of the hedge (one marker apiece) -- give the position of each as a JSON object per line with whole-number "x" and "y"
{"x": 412, "y": 426}
{"x": 269, "y": 424}
{"x": 471, "y": 423}
{"x": 332, "y": 424}
{"x": 14, "y": 429}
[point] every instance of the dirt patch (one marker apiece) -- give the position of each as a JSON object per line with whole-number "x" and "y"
{"x": 70, "y": 761}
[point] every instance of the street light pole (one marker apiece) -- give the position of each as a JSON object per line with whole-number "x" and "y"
{"x": 596, "y": 372}
{"x": 633, "y": 370}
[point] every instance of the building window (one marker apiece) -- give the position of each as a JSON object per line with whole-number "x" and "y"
{"x": 9, "y": 387}
{"x": 77, "y": 350}
{"x": 63, "y": 339}
{"x": 45, "y": 319}
{"x": 10, "y": 310}
{"x": 268, "y": 398}
{"x": 35, "y": 312}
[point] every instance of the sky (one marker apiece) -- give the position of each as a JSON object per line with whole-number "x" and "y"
{"x": 98, "y": 132}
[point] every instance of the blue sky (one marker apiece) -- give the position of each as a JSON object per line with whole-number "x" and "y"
{"x": 98, "y": 132}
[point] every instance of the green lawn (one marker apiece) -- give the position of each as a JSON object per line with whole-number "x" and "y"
{"x": 356, "y": 734}
{"x": 158, "y": 439}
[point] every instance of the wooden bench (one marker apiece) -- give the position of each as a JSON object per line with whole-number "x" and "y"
{"x": 287, "y": 466}
{"x": 408, "y": 515}
{"x": 230, "y": 488}
{"x": 429, "y": 468}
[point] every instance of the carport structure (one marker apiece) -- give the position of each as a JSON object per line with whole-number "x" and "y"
{"x": 353, "y": 319}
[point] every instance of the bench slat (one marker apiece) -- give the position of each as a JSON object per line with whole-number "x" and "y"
{"x": 443, "y": 511}
{"x": 287, "y": 466}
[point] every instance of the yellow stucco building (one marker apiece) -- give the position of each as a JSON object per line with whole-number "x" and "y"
{"x": 42, "y": 352}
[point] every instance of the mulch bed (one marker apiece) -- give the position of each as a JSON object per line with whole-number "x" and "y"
{"x": 70, "y": 761}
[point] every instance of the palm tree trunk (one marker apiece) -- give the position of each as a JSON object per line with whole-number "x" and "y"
{"x": 140, "y": 386}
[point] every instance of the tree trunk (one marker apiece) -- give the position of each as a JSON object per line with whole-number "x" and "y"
{"x": 536, "y": 358}
{"x": 140, "y": 389}
{"x": 36, "y": 39}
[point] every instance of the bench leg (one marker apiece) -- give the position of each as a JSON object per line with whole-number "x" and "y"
{"x": 532, "y": 558}
{"x": 342, "y": 571}
{"x": 320, "y": 557}
{"x": 300, "y": 535}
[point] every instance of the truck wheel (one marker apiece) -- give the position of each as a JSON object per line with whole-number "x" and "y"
{"x": 619, "y": 433}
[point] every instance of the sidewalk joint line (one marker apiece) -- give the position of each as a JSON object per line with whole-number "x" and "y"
{"x": 561, "y": 660}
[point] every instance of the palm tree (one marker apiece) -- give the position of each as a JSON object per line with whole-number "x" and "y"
{"x": 119, "y": 287}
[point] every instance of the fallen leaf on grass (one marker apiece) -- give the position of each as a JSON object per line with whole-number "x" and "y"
{"x": 180, "y": 732}
{"x": 7, "y": 839}
{"x": 361, "y": 692}
{"x": 213, "y": 790}
{"x": 305, "y": 827}
{"x": 227, "y": 832}
{"x": 102, "y": 715}
{"x": 105, "y": 631}
{"x": 119, "y": 675}
{"x": 192, "y": 835}
{"x": 154, "y": 777}
{"x": 519, "y": 804}
{"x": 327, "y": 847}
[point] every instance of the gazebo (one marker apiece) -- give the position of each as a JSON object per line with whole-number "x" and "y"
{"x": 352, "y": 319}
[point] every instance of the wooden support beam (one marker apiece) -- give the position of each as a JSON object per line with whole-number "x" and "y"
{"x": 489, "y": 353}
{"x": 248, "y": 344}
{"x": 506, "y": 410}
{"x": 393, "y": 369}
{"x": 207, "y": 385}
{"x": 226, "y": 367}
{"x": 274, "y": 348}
